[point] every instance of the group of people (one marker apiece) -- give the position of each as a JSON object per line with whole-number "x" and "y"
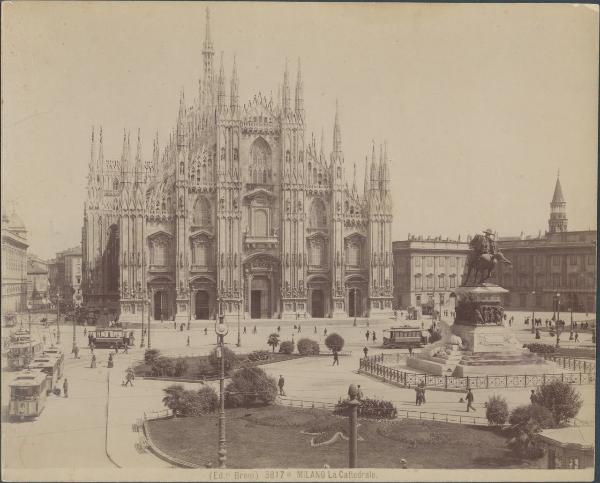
{"x": 372, "y": 334}
{"x": 420, "y": 393}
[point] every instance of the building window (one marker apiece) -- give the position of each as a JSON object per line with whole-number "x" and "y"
{"x": 418, "y": 299}
{"x": 522, "y": 300}
{"x": 539, "y": 300}
{"x": 442, "y": 261}
{"x": 200, "y": 254}
{"x": 318, "y": 214}
{"x": 353, "y": 254}
{"x": 430, "y": 261}
{"x": 591, "y": 260}
{"x": 452, "y": 281}
{"x": 572, "y": 259}
{"x": 442, "y": 299}
{"x": 442, "y": 281}
{"x": 317, "y": 253}
{"x": 555, "y": 260}
{"x": 453, "y": 262}
{"x": 429, "y": 282}
{"x": 260, "y": 223}
{"x": 159, "y": 253}
{"x": 417, "y": 261}
{"x": 202, "y": 212}
{"x": 539, "y": 259}
{"x": 260, "y": 161}
{"x": 418, "y": 282}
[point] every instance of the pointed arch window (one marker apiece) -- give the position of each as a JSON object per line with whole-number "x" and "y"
{"x": 202, "y": 213}
{"x": 260, "y": 161}
{"x": 318, "y": 214}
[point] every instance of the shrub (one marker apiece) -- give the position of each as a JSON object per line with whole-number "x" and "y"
{"x": 172, "y": 398}
{"x": 369, "y": 408}
{"x": 163, "y": 366}
{"x": 539, "y": 348}
{"x": 180, "y": 368}
{"x": 435, "y": 335}
{"x": 334, "y": 342}
{"x": 230, "y": 359}
{"x": 562, "y": 399}
{"x": 286, "y": 347}
{"x": 308, "y": 347}
{"x": 273, "y": 340}
{"x": 208, "y": 399}
{"x": 250, "y": 385}
{"x": 497, "y": 410}
{"x": 527, "y": 421}
{"x": 151, "y": 355}
{"x": 205, "y": 369}
{"x": 255, "y": 356}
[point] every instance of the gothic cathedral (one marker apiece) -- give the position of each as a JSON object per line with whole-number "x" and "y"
{"x": 239, "y": 214}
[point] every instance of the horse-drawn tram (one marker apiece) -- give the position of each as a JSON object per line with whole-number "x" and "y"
{"x": 22, "y": 349}
{"x": 28, "y": 394}
{"x": 110, "y": 337}
{"x": 403, "y": 337}
{"x": 50, "y": 365}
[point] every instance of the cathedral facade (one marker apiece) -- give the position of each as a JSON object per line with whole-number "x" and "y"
{"x": 241, "y": 213}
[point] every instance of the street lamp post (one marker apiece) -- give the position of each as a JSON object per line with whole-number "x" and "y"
{"x": 353, "y": 404}
{"x": 143, "y": 306}
{"x": 149, "y": 324}
{"x": 239, "y": 337}
{"x": 533, "y": 314}
{"x": 571, "y": 300}
{"x": 221, "y": 331}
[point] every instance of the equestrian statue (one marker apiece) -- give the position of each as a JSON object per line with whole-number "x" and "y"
{"x": 483, "y": 257}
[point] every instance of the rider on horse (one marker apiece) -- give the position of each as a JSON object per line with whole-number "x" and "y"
{"x": 484, "y": 256}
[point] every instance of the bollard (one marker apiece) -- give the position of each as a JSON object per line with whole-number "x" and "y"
{"x": 352, "y": 421}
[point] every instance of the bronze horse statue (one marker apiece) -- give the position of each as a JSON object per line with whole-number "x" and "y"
{"x": 482, "y": 264}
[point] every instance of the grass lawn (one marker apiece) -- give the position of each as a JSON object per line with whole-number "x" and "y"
{"x": 270, "y": 437}
{"x": 193, "y": 365}
{"x": 576, "y": 352}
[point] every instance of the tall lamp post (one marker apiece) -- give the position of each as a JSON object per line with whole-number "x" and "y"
{"x": 149, "y": 324}
{"x": 58, "y": 298}
{"x": 239, "y": 337}
{"x": 221, "y": 331}
{"x": 143, "y": 305}
{"x": 533, "y": 314}
{"x": 558, "y": 325}
{"x": 353, "y": 404}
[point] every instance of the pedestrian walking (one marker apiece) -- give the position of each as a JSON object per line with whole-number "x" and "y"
{"x": 571, "y": 335}
{"x": 244, "y": 329}
{"x": 359, "y": 394}
{"x": 110, "y": 360}
{"x": 93, "y": 363}
{"x": 299, "y": 328}
{"x": 254, "y": 330}
{"x": 278, "y": 329}
{"x": 533, "y": 397}
{"x": 417, "y": 396}
{"x": 367, "y": 334}
{"x": 84, "y": 331}
{"x": 470, "y": 400}
{"x": 410, "y": 350}
{"x": 175, "y": 325}
{"x": 315, "y": 329}
{"x": 126, "y": 348}
{"x": 576, "y": 336}
{"x": 366, "y": 351}
{"x": 325, "y": 331}
{"x": 336, "y": 360}
{"x": 205, "y": 331}
{"x": 66, "y": 387}
{"x": 281, "y": 383}
{"x": 188, "y": 341}
{"x": 374, "y": 336}
{"x": 76, "y": 352}
{"x": 422, "y": 387}
{"x": 129, "y": 377}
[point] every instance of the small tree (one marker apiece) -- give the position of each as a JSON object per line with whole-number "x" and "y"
{"x": 273, "y": 340}
{"x": 527, "y": 421}
{"x": 561, "y": 399}
{"x": 308, "y": 347}
{"x": 208, "y": 399}
{"x": 180, "y": 367}
{"x": 286, "y": 347}
{"x": 173, "y": 398}
{"x": 230, "y": 359}
{"x": 249, "y": 385}
{"x": 163, "y": 366}
{"x": 497, "y": 410}
{"x": 151, "y": 355}
{"x": 334, "y": 342}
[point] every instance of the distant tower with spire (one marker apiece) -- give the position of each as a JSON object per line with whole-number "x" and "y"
{"x": 558, "y": 210}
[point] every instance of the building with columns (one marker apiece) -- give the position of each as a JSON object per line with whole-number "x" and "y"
{"x": 560, "y": 264}
{"x": 240, "y": 213}
{"x": 38, "y": 282}
{"x": 14, "y": 263}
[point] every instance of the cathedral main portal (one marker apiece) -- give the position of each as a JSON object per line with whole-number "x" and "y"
{"x": 261, "y": 297}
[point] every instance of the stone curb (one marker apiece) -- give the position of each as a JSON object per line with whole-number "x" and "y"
{"x": 165, "y": 457}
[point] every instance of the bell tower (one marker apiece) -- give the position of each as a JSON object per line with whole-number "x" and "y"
{"x": 558, "y": 210}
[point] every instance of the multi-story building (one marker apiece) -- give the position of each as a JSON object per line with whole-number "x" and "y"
{"x": 38, "y": 282}
{"x": 68, "y": 274}
{"x": 426, "y": 272}
{"x": 241, "y": 212}
{"x": 14, "y": 263}
{"x": 560, "y": 262}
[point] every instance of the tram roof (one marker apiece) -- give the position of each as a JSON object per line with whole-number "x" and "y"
{"x": 29, "y": 378}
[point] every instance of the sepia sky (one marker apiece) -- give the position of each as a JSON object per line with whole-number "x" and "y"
{"x": 480, "y": 104}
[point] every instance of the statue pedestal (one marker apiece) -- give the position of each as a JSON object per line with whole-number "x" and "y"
{"x": 486, "y": 345}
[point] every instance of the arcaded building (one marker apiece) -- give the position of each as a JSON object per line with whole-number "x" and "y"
{"x": 241, "y": 212}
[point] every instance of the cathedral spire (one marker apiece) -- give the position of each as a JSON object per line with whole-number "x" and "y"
{"x": 286, "y": 90}
{"x": 234, "y": 86}
{"x": 374, "y": 174}
{"x": 337, "y": 134}
{"x": 138, "y": 154}
{"x": 221, "y": 86}
{"x": 299, "y": 104}
{"x": 207, "y": 55}
{"x": 100, "y": 151}
{"x": 322, "y": 143}
{"x": 366, "y": 183}
{"x": 93, "y": 152}
{"x": 354, "y": 179}
{"x": 208, "y": 46}
{"x": 181, "y": 121}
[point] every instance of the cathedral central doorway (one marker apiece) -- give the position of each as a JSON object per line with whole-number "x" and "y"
{"x": 255, "y": 297}
{"x": 160, "y": 306}
{"x": 202, "y": 305}
{"x": 318, "y": 304}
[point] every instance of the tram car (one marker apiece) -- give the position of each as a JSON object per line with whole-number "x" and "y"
{"x": 108, "y": 337}
{"x": 404, "y": 337}
{"x": 22, "y": 349}
{"x": 50, "y": 365}
{"x": 56, "y": 352}
{"x": 28, "y": 393}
